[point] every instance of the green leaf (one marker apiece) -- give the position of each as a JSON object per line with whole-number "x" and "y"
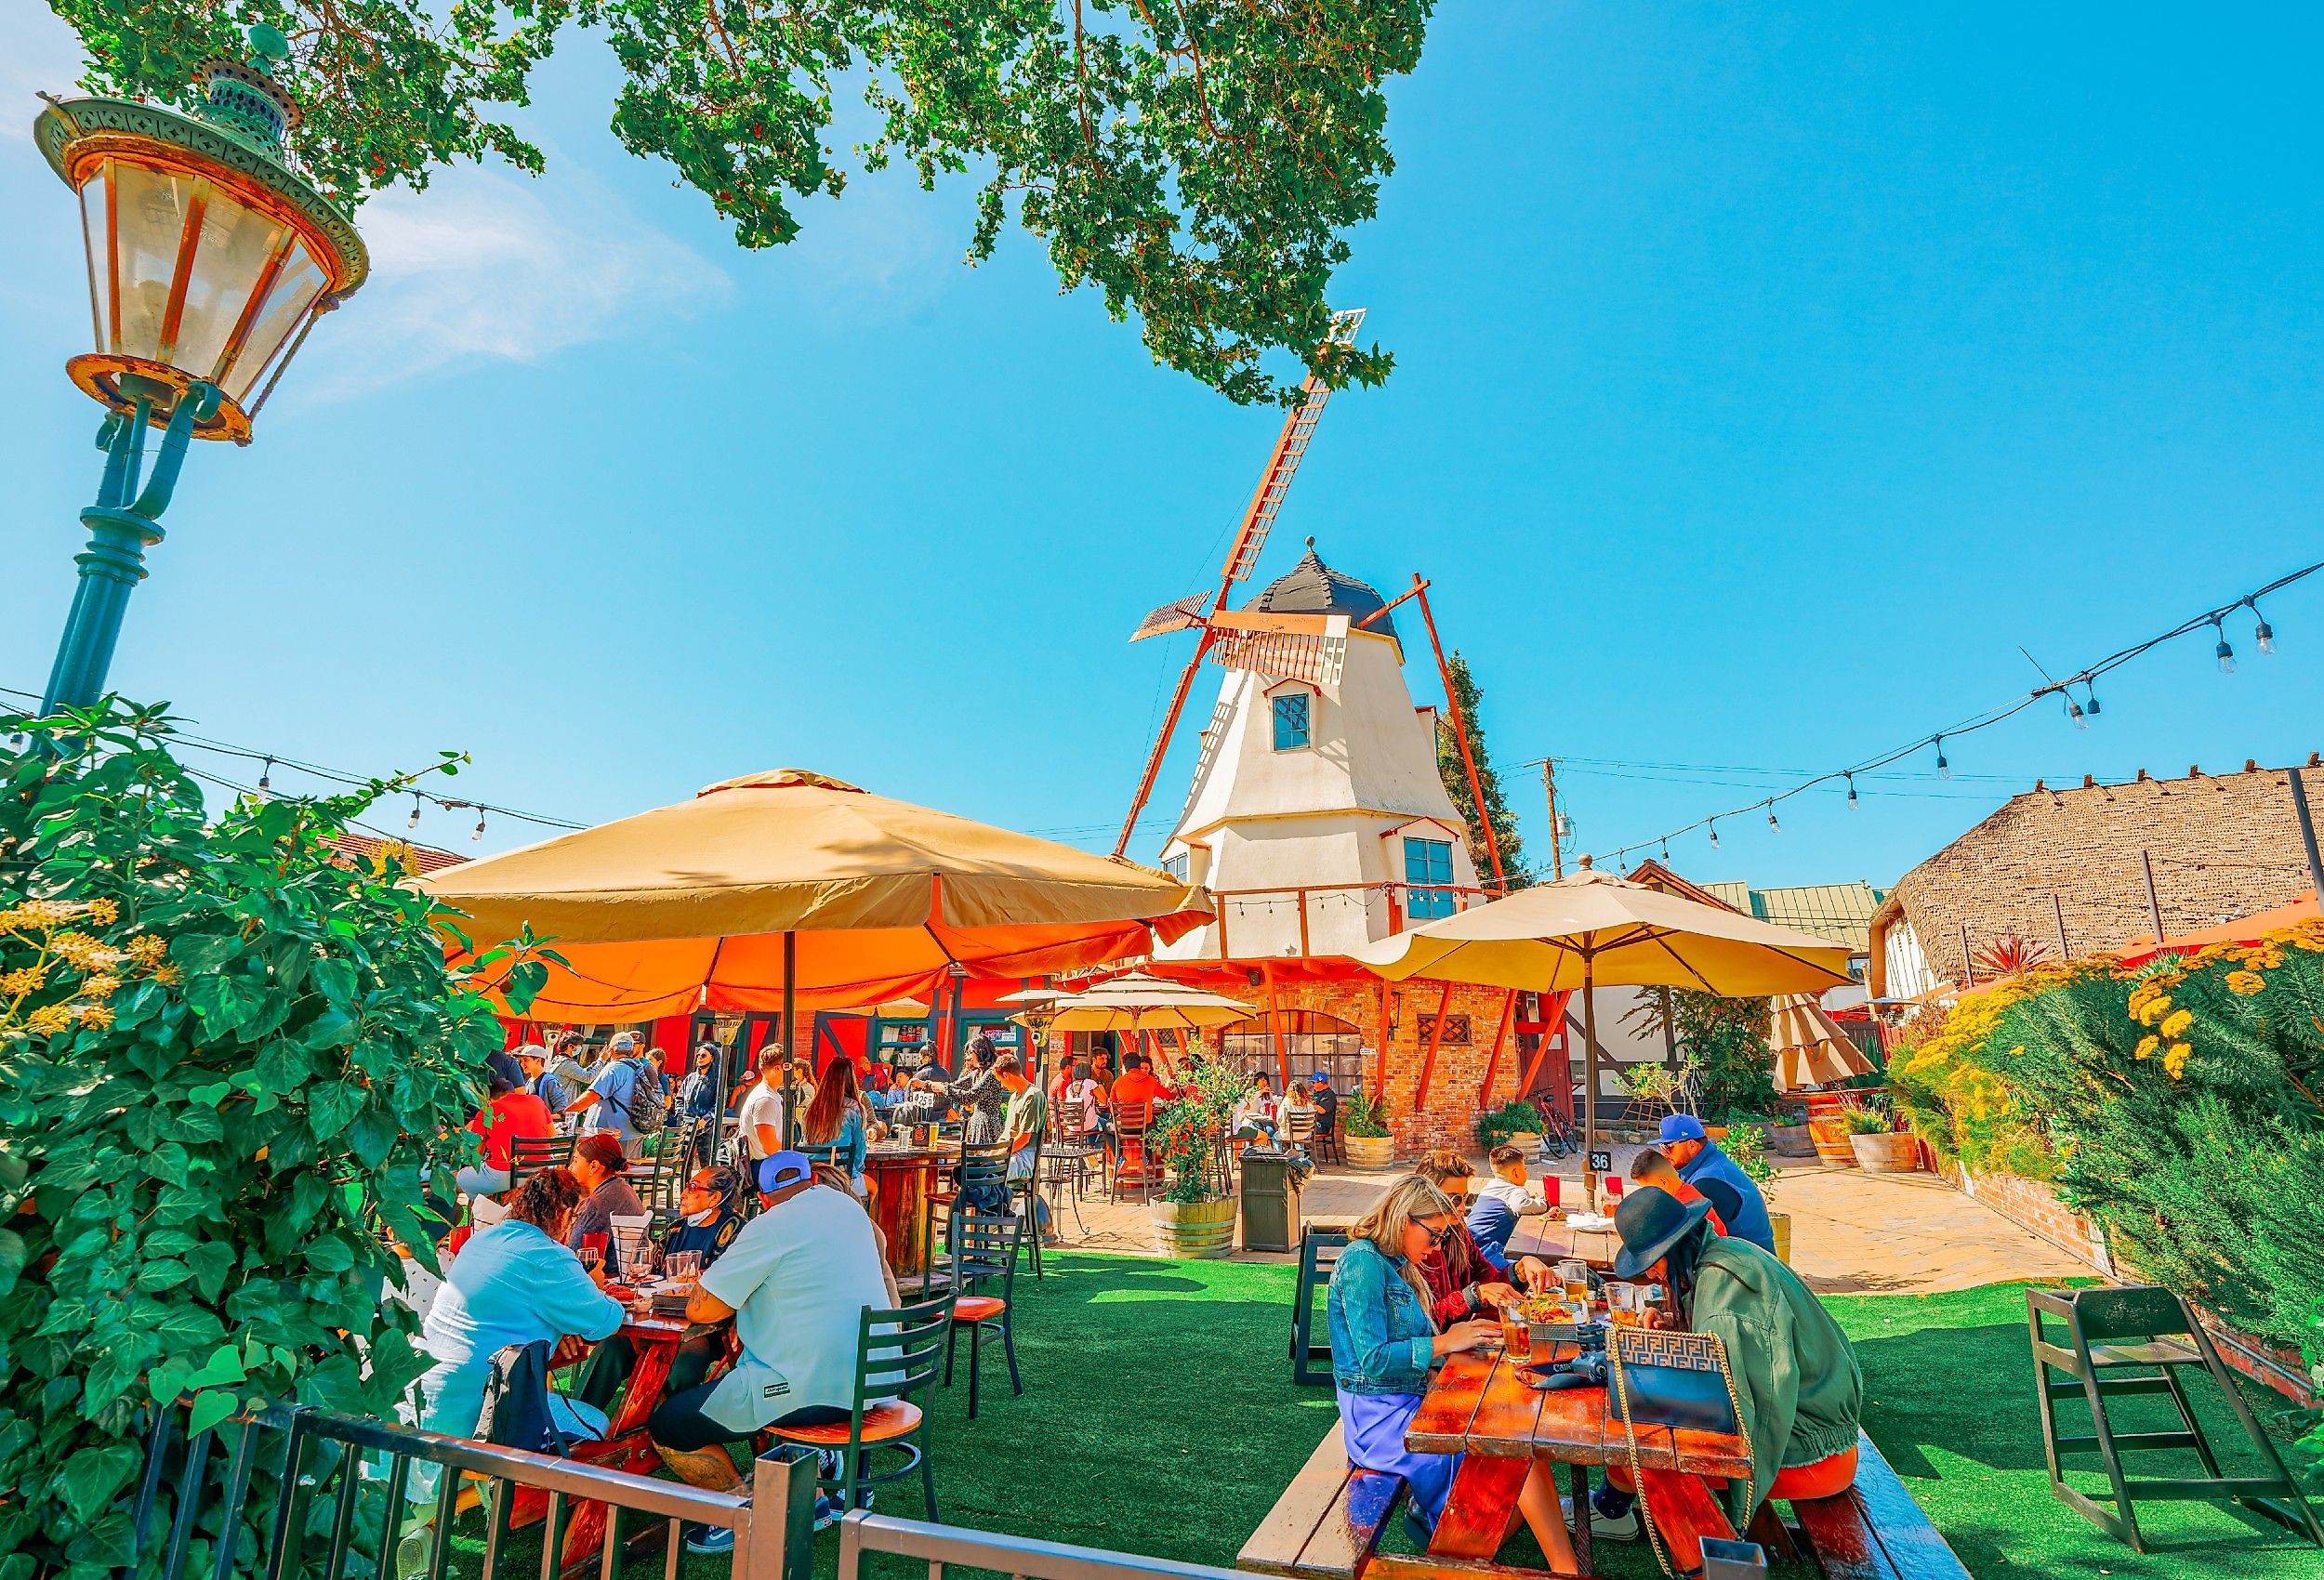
{"x": 223, "y": 1368}
{"x": 164, "y": 1272}
{"x": 210, "y": 1407}
{"x": 330, "y": 1255}
{"x": 89, "y": 1479}
{"x": 331, "y": 1108}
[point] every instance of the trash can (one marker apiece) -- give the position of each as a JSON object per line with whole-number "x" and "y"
{"x": 1270, "y": 1199}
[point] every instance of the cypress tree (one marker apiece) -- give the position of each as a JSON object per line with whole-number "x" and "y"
{"x": 1450, "y": 769}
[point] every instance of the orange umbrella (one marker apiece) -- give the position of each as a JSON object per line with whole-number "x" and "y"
{"x": 789, "y": 886}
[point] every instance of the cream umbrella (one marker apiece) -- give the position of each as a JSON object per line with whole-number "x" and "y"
{"x": 780, "y": 889}
{"x": 1138, "y": 1003}
{"x": 1592, "y": 928}
{"x": 1811, "y": 1048}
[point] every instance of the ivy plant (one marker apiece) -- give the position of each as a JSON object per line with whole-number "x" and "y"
{"x": 230, "y": 1058}
{"x": 1197, "y": 162}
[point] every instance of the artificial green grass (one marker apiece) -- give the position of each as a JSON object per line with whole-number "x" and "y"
{"x": 1159, "y": 1417}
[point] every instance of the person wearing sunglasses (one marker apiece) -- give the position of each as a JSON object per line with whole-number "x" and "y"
{"x": 1383, "y": 1341}
{"x": 1466, "y": 1277}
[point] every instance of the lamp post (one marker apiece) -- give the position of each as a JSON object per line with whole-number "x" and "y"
{"x": 209, "y": 259}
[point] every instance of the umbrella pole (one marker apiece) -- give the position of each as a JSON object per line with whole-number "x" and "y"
{"x": 1589, "y": 1080}
{"x": 790, "y": 994}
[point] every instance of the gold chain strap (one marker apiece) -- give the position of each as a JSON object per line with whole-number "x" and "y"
{"x": 1630, "y": 1439}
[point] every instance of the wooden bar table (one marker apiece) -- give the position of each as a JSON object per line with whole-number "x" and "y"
{"x": 902, "y": 1181}
{"x": 625, "y": 1446}
{"x": 1478, "y": 1407}
{"x": 1556, "y": 1242}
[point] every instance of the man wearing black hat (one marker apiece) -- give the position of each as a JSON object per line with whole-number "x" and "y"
{"x": 1796, "y": 1381}
{"x": 509, "y": 1112}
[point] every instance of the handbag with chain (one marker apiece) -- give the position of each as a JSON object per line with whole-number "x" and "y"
{"x": 1670, "y": 1380}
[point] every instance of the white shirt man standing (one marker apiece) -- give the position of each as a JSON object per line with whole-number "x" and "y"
{"x": 761, "y": 1116}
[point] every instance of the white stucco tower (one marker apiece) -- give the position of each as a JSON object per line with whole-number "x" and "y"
{"x": 1323, "y": 793}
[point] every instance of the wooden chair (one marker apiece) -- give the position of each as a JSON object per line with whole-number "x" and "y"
{"x": 2124, "y": 1342}
{"x": 984, "y": 1249}
{"x": 895, "y": 1362}
{"x": 1299, "y": 1124}
{"x": 1130, "y": 1166}
{"x": 1326, "y": 1148}
{"x": 981, "y": 1175}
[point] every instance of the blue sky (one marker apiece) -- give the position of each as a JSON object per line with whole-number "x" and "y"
{"x": 1766, "y": 376}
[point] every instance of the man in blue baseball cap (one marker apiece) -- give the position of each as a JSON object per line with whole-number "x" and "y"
{"x": 1698, "y": 1158}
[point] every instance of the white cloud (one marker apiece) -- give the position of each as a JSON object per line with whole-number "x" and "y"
{"x": 489, "y": 264}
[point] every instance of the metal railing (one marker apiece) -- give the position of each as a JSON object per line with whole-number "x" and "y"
{"x": 307, "y": 1493}
{"x": 1022, "y": 1557}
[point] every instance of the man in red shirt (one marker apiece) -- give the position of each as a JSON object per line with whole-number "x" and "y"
{"x": 509, "y": 1112}
{"x": 1139, "y": 1083}
{"x": 1652, "y": 1167}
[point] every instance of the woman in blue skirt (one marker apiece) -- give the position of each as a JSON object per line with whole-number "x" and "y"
{"x": 1382, "y": 1345}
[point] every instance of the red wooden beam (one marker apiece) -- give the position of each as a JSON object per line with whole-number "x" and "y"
{"x": 1552, "y": 1014}
{"x": 1435, "y": 1036}
{"x": 1274, "y": 1018}
{"x": 1461, "y": 734}
{"x": 1493, "y": 1065}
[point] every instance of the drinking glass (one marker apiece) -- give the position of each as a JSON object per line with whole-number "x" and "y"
{"x": 1623, "y": 1302}
{"x": 1575, "y": 1276}
{"x": 592, "y": 1256}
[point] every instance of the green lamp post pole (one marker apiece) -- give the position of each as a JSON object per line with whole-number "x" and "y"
{"x": 209, "y": 259}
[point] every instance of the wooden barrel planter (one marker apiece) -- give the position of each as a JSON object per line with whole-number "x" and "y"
{"x": 1887, "y": 1152}
{"x": 1193, "y": 1229}
{"x": 1834, "y": 1147}
{"x": 1370, "y": 1152}
{"x": 1791, "y": 1140}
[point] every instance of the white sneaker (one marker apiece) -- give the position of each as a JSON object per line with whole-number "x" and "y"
{"x": 1601, "y": 1528}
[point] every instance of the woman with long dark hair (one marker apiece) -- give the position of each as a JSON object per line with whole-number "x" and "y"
{"x": 1796, "y": 1381}
{"x": 979, "y": 1094}
{"x": 832, "y": 1128}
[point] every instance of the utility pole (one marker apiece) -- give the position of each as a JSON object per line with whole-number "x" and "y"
{"x": 2307, "y": 834}
{"x": 1549, "y": 788}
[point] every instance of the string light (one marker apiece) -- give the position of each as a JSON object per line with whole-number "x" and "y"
{"x": 1714, "y": 835}
{"x": 1852, "y": 793}
{"x": 266, "y": 777}
{"x": 478, "y": 833}
{"x": 413, "y": 821}
{"x": 1771, "y": 818}
{"x": 2264, "y": 635}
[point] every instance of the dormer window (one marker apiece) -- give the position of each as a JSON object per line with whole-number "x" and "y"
{"x": 1294, "y": 719}
{"x": 1178, "y": 866}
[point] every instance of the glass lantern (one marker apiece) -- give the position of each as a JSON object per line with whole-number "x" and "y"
{"x": 208, "y": 258}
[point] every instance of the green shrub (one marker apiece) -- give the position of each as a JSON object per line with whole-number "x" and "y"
{"x": 1516, "y": 1118}
{"x": 1189, "y": 1130}
{"x": 227, "y": 1058}
{"x": 1363, "y": 1114}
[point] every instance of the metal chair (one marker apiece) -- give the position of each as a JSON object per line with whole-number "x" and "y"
{"x": 1024, "y": 1190}
{"x": 2125, "y": 1342}
{"x": 1327, "y": 1147}
{"x": 1130, "y": 1164}
{"x": 983, "y": 1249}
{"x": 895, "y": 1360}
{"x": 529, "y": 1155}
{"x": 1319, "y": 1253}
{"x": 981, "y": 1176}
{"x": 1068, "y": 1164}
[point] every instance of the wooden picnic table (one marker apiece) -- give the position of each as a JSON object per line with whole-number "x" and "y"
{"x": 1557, "y": 1241}
{"x": 625, "y": 1446}
{"x": 1478, "y": 1407}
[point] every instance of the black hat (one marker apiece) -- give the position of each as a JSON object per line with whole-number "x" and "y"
{"x": 1650, "y": 1222}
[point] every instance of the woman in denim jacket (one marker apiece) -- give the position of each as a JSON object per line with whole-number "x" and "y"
{"x": 1383, "y": 1342}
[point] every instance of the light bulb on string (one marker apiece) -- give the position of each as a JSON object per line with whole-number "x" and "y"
{"x": 413, "y": 821}
{"x": 1714, "y": 835}
{"x": 1852, "y": 792}
{"x": 1771, "y": 818}
{"x": 1666, "y": 852}
{"x": 266, "y": 777}
{"x": 2224, "y": 651}
{"x": 1944, "y": 768}
{"x": 2264, "y": 634}
{"x": 478, "y": 833}
{"x": 2074, "y": 712}
{"x": 2091, "y": 707}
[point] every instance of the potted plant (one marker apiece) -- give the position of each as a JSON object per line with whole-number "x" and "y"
{"x": 1747, "y": 1145}
{"x": 1833, "y": 1134}
{"x": 1518, "y": 1123}
{"x": 1193, "y": 1216}
{"x": 1879, "y": 1146}
{"x": 1364, "y": 1126}
{"x": 1787, "y": 1133}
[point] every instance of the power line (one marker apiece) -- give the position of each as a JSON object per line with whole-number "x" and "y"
{"x": 2214, "y": 619}
{"x": 269, "y": 761}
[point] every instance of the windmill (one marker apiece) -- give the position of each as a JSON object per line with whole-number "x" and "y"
{"x": 1309, "y": 647}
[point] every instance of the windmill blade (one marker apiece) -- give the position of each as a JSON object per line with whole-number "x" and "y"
{"x": 1179, "y": 614}
{"x": 1291, "y": 448}
{"x": 1298, "y": 647}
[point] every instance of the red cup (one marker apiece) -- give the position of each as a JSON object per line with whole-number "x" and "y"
{"x": 1613, "y": 1183}
{"x": 1549, "y": 1189}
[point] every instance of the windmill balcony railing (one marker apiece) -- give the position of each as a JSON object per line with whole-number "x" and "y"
{"x": 1407, "y": 906}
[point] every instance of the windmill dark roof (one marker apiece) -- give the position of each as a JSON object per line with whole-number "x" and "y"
{"x": 1313, "y": 588}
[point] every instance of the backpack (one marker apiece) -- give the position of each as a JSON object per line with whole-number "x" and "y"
{"x": 645, "y": 1110}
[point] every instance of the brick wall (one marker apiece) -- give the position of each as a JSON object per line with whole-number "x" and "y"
{"x": 2034, "y": 1205}
{"x": 2224, "y": 846}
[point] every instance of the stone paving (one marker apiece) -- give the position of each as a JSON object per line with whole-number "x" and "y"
{"x": 1852, "y": 1232}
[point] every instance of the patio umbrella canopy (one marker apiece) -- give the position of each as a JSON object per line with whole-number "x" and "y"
{"x": 1811, "y": 1047}
{"x": 697, "y": 905}
{"x": 1594, "y": 928}
{"x": 1141, "y": 1003}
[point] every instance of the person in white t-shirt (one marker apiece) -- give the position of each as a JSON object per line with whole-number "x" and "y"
{"x": 761, "y": 1115}
{"x": 796, "y": 1281}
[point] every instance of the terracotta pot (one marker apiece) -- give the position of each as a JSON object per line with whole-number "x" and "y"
{"x": 1832, "y": 1143}
{"x": 1791, "y": 1140}
{"x": 1780, "y": 1224}
{"x": 1193, "y": 1229}
{"x": 1888, "y": 1151}
{"x": 1370, "y": 1152}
